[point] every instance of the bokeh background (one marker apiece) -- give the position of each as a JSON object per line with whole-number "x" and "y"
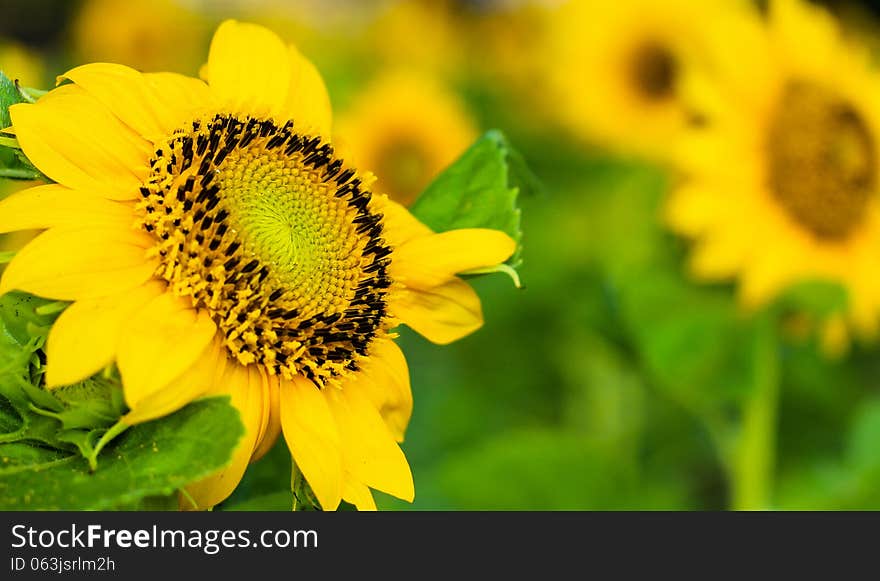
{"x": 617, "y": 378}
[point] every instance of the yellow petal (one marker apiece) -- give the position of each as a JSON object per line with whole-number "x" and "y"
{"x": 158, "y": 344}
{"x": 312, "y": 436}
{"x": 308, "y": 103}
{"x": 194, "y": 382}
{"x": 152, "y": 105}
{"x": 249, "y": 69}
{"x": 430, "y": 261}
{"x": 85, "y": 337}
{"x": 369, "y": 451}
{"x": 186, "y": 94}
{"x": 247, "y": 388}
{"x": 387, "y": 385}
{"x": 258, "y": 373}
{"x": 400, "y": 225}
{"x": 442, "y": 314}
{"x": 76, "y": 141}
{"x": 56, "y": 205}
{"x": 357, "y": 494}
{"x": 80, "y": 263}
{"x": 273, "y": 426}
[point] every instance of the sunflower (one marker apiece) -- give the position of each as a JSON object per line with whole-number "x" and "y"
{"x": 423, "y": 34}
{"x": 146, "y": 34}
{"x": 406, "y": 127}
{"x": 213, "y": 242}
{"x": 614, "y": 68}
{"x": 782, "y": 184}
{"x": 21, "y": 63}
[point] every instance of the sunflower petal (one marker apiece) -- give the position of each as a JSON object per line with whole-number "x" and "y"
{"x": 76, "y": 141}
{"x": 150, "y": 104}
{"x": 159, "y": 343}
{"x": 402, "y": 226}
{"x": 369, "y": 451}
{"x": 442, "y": 314}
{"x": 56, "y": 205}
{"x": 430, "y": 261}
{"x": 85, "y": 337}
{"x": 312, "y": 436}
{"x": 247, "y": 388}
{"x": 80, "y": 263}
{"x": 355, "y": 493}
{"x": 273, "y": 425}
{"x": 193, "y": 383}
{"x": 308, "y": 103}
{"x": 388, "y": 387}
{"x": 249, "y": 68}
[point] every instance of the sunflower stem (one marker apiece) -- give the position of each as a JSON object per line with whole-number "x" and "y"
{"x": 114, "y": 431}
{"x": 755, "y": 451}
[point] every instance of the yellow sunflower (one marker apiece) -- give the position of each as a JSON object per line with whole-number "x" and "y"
{"x": 212, "y": 242}
{"x": 614, "y": 68}
{"x": 782, "y": 184}
{"x": 424, "y": 34}
{"x": 146, "y": 34}
{"x": 406, "y": 127}
{"x": 21, "y": 63}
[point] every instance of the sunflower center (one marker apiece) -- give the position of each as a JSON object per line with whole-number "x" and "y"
{"x": 274, "y": 236}
{"x": 822, "y": 160}
{"x": 654, "y": 71}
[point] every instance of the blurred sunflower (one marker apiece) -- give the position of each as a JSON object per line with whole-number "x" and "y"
{"x": 509, "y": 37}
{"x": 214, "y": 243}
{"x": 147, "y": 34}
{"x": 406, "y": 127}
{"x": 782, "y": 184}
{"x": 614, "y": 68}
{"x": 424, "y": 34}
{"x": 18, "y": 62}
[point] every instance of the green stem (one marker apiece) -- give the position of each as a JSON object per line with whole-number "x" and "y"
{"x": 114, "y": 431}
{"x": 15, "y": 173}
{"x": 755, "y": 452}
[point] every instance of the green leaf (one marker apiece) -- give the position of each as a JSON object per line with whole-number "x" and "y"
{"x": 95, "y": 402}
{"x": 23, "y": 317}
{"x": 13, "y": 164}
{"x": 479, "y": 190}
{"x": 9, "y": 95}
{"x": 10, "y": 419}
{"x": 148, "y": 460}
